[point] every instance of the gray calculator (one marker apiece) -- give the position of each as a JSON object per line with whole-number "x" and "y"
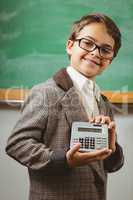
{"x": 91, "y": 136}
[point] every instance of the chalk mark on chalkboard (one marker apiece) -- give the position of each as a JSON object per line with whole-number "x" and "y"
{"x": 7, "y": 16}
{"x": 9, "y": 36}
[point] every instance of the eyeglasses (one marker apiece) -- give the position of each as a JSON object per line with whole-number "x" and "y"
{"x": 89, "y": 46}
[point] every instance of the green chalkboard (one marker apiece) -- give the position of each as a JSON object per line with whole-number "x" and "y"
{"x": 33, "y": 34}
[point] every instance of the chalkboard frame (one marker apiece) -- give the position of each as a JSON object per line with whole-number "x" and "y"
{"x": 13, "y": 96}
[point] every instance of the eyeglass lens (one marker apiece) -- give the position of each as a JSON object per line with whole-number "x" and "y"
{"x": 90, "y": 46}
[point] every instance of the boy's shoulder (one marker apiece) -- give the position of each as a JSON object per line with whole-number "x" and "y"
{"x": 47, "y": 92}
{"x": 104, "y": 97}
{"x": 106, "y": 101}
{"x": 60, "y": 81}
{"x": 48, "y": 87}
{"x": 43, "y": 85}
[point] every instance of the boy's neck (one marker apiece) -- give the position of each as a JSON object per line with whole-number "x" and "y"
{"x": 89, "y": 78}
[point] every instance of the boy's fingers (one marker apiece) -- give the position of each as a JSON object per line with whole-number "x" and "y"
{"x": 102, "y": 154}
{"x": 101, "y": 119}
{"x": 112, "y": 125}
{"x": 105, "y": 119}
{"x": 91, "y": 119}
{"x": 98, "y": 119}
{"x": 97, "y": 153}
{"x": 74, "y": 149}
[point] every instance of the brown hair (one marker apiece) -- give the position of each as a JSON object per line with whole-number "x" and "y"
{"x": 112, "y": 28}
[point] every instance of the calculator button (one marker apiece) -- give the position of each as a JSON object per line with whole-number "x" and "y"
{"x": 92, "y": 143}
{"x": 87, "y": 143}
{"x": 81, "y": 140}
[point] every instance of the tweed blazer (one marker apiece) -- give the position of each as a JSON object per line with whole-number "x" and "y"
{"x": 41, "y": 139}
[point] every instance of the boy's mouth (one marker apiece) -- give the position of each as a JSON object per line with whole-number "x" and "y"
{"x": 92, "y": 61}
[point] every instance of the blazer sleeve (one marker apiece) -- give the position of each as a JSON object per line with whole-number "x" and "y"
{"x": 116, "y": 160}
{"x": 25, "y": 143}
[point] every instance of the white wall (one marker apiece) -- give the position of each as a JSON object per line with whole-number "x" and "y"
{"x": 14, "y": 177}
{"x": 120, "y": 184}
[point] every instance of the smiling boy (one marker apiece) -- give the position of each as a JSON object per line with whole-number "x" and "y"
{"x": 92, "y": 62}
{"x": 41, "y": 138}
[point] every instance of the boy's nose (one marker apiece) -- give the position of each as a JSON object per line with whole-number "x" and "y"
{"x": 95, "y": 52}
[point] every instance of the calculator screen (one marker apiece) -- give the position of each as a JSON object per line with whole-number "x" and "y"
{"x": 90, "y": 130}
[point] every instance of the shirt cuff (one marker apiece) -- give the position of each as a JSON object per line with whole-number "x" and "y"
{"x": 115, "y": 161}
{"x": 58, "y": 162}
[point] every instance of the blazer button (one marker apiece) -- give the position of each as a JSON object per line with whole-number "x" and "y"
{"x": 59, "y": 107}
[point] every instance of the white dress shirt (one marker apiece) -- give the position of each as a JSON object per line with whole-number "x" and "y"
{"x": 88, "y": 91}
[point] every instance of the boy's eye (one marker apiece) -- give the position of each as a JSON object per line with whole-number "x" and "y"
{"x": 106, "y": 51}
{"x": 87, "y": 44}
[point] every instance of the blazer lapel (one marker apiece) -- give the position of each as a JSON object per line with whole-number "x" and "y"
{"x": 73, "y": 107}
{"x": 102, "y": 106}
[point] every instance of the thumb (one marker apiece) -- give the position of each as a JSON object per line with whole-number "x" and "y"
{"x": 74, "y": 149}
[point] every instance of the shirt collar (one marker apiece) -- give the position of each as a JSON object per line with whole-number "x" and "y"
{"x": 80, "y": 81}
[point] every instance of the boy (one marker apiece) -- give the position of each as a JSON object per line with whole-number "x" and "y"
{"x": 41, "y": 138}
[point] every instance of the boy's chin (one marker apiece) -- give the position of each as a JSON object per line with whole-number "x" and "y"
{"x": 92, "y": 72}
{"x": 89, "y": 72}
{"x": 90, "y": 75}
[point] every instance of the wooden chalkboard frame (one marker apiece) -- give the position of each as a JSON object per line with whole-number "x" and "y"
{"x": 18, "y": 95}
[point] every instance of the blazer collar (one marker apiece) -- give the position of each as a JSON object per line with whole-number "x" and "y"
{"x": 70, "y": 102}
{"x": 63, "y": 80}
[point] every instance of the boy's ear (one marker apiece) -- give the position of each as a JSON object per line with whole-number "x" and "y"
{"x": 69, "y": 46}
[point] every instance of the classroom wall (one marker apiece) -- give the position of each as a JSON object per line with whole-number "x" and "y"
{"x": 14, "y": 178}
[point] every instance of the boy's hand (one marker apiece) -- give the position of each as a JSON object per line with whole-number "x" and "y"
{"x": 101, "y": 119}
{"x": 77, "y": 158}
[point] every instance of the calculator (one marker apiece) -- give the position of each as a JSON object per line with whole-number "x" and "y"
{"x": 91, "y": 136}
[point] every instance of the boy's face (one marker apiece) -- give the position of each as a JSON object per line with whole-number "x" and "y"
{"x": 91, "y": 63}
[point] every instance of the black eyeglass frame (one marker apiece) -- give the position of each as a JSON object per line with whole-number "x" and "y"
{"x": 95, "y": 47}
